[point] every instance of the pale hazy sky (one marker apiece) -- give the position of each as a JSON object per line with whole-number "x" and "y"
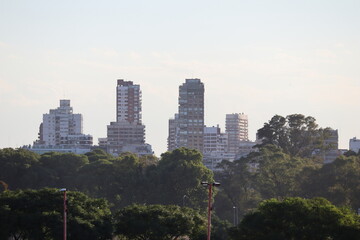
{"x": 257, "y": 57}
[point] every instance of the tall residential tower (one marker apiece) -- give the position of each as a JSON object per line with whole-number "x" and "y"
{"x": 187, "y": 128}
{"x": 127, "y": 134}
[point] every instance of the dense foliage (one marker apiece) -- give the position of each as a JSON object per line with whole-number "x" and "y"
{"x": 271, "y": 173}
{"x": 295, "y": 134}
{"x": 37, "y": 214}
{"x": 123, "y": 181}
{"x": 296, "y": 218}
{"x": 159, "y": 222}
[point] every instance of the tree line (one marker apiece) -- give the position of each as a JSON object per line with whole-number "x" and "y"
{"x": 122, "y": 180}
{"x": 286, "y": 165}
{"x": 127, "y": 196}
{"x": 37, "y": 214}
{"x": 282, "y": 169}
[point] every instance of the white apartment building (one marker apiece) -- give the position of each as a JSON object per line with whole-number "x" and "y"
{"x": 354, "y": 144}
{"x": 62, "y": 129}
{"x": 214, "y": 140}
{"x": 215, "y": 147}
{"x": 60, "y": 123}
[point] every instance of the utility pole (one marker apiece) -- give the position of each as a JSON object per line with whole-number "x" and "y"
{"x": 210, "y": 185}
{"x": 65, "y": 211}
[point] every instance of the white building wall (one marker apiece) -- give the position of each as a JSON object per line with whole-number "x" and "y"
{"x": 49, "y": 129}
{"x": 354, "y": 144}
{"x": 78, "y": 124}
{"x": 60, "y": 123}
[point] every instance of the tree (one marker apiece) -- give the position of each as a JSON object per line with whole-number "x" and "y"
{"x": 277, "y": 174}
{"x": 338, "y": 181}
{"x": 268, "y": 173}
{"x": 178, "y": 175}
{"x": 296, "y": 134}
{"x": 158, "y": 222}
{"x": 130, "y": 181}
{"x": 237, "y": 192}
{"x": 148, "y": 160}
{"x": 97, "y": 179}
{"x": 59, "y": 169}
{"x": 14, "y": 164}
{"x": 37, "y": 214}
{"x": 297, "y": 218}
{"x": 98, "y": 154}
{"x": 219, "y": 229}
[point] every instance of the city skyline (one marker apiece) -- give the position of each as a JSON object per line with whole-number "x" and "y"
{"x": 259, "y": 58}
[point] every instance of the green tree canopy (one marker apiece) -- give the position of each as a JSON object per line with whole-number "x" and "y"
{"x": 277, "y": 174}
{"x": 297, "y": 218}
{"x": 178, "y": 175}
{"x": 238, "y": 193}
{"x": 14, "y": 163}
{"x": 158, "y": 222}
{"x": 58, "y": 169}
{"x": 37, "y": 214}
{"x": 295, "y": 134}
{"x": 268, "y": 173}
{"x": 98, "y": 154}
{"x": 338, "y": 181}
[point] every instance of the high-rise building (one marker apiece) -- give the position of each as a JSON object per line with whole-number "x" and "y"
{"x": 62, "y": 129}
{"x": 237, "y": 129}
{"x": 354, "y": 144}
{"x": 173, "y": 133}
{"x": 128, "y": 132}
{"x": 187, "y": 130}
{"x": 128, "y": 102}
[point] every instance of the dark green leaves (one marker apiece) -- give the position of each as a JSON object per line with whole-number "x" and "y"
{"x": 297, "y": 218}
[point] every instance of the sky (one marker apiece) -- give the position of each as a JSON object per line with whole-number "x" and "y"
{"x": 255, "y": 57}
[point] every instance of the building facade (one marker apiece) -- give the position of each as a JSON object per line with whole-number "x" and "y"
{"x": 214, "y": 140}
{"x": 187, "y": 128}
{"x": 128, "y": 102}
{"x": 173, "y": 134}
{"x": 354, "y": 145}
{"x": 62, "y": 129}
{"x": 127, "y": 134}
{"x": 237, "y": 129}
{"x": 215, "y": 148}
